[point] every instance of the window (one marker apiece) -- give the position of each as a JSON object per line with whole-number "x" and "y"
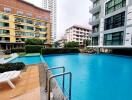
{"x": 3, "y": 24}
{"x": 46, "y": 18}
{"x": 29, "y": 21}
{"x": 114, "y": 5}
{"x": 7, "y": 10}
{"x": 95, "y": 28}
{"x": 19, "y": 26}
{"x": 38, "y": 17}
{"x": 114, "y": 38}
{"x": 94, "y": 40}
{"x": 29, "y": 14}
{"x": 19, "y": 12}
{"x": 19, "y": 20}
{"x": 4, "y": 17}
{"x": 115, "y": 21}
{"x": 4, "y": 31}
{"x": 95, "y": 16}
{"x": 30, "y": 28}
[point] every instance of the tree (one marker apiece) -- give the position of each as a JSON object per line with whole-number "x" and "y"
{"x": 71, "y": 44}
{"x": 56, "y": 44}
{"x": 87, "y": 42}
{"x": 34, "y": 42}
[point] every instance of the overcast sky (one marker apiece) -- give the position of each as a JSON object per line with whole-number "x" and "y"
{"x": 70, "y": 12}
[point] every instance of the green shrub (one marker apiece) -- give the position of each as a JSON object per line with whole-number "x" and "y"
{"x": 17, "y": 50}
{"x": 34, "y": 42}
{"x": 71, "y": 44}
{"x": 45, "y": 51}
{"x": 33, "y": 48}
{"x": 11, "y": 66}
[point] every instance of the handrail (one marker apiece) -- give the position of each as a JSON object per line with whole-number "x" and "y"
{"x": 53, "y": 68}
{"x": 58, "y": 75}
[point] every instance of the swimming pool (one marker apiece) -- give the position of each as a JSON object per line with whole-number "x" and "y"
{"x": 28, "y": 59}
{"x": 97, "y": 77}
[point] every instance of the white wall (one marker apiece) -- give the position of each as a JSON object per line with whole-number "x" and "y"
{"x": 128, "y": 35}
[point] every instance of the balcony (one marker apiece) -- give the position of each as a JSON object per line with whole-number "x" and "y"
{"x": 95, "y": 8}
{"x": 94, "y": 34}
{"x": 94, "y": 21}
{"x": 93, "y": 0}
{"x": 19, "y": 20}
{"x": 4, "y": 39}
{"x": 19, "y": 28}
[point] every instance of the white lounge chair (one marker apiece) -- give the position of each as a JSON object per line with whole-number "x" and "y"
{"x": 8, "y": 76}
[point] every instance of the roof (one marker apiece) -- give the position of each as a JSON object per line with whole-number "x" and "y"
{"x": 79, "y": 26}
{"x": 33, "y": 5}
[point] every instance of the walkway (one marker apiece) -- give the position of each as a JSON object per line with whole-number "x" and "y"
{"x": 27, "y": 88}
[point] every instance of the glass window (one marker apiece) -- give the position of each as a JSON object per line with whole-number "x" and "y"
{"x": 7, "y": 10}
{"x": 114, "y": 5}
{"x": 115, "y": 21}
{"x": 94, "y": 40}
{"x": 4, "y": 31}
{"x": 29, "y": 14}
{"x": 3, "y": 24}
{"x": 19, "y": 12}
{"x": 113, "y": 38}
{"x": 30, "y": 28}
{"x": 29, "y": 21}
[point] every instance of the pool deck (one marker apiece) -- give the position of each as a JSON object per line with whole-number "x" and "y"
{"x": 33, "y": 54}
{"x": 28, "y": 87}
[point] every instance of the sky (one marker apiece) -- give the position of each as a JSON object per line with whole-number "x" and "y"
{"x": 69, "y": 13}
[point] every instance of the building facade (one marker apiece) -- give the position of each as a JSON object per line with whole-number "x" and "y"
{"x": 20, "y": 20}
{"x": 51, "y": 5}
{"x": 61, "y": 42}
{"x": 78, "y": 34}
{"x": 111, "y": 23}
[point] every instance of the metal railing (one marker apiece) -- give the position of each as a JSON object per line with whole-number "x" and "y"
{"x": 63, "y": 74}
{"x": 54, "y": 68}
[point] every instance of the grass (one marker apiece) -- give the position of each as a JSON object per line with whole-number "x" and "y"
{"x": 22, "y": 54}
{"x": 28, "y": 54}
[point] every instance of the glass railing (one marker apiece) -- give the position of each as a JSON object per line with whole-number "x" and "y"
{"x": 94, "y": 19}
{"x": 94, "y": 6}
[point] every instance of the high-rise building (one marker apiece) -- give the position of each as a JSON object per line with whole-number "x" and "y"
{"x": 20, "y": 20}
{"x": 78, "y": 34}
{"x": 51, "y": 5}
{"x": 111, "y": 23}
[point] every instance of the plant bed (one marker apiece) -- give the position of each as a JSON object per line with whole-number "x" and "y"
{"x": 46, "y": 51}
{"x": 17, "y": 50}
{"x": 33, "y": 48}
{"x": 11, "y": 66}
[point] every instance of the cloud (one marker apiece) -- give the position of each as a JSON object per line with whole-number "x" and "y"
{"x": 70, "y": 12}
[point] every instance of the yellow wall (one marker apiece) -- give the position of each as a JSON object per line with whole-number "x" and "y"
{"x": 12, "y": 27}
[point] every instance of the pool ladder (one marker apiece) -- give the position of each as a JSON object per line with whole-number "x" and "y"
{"x": 48, "y": 81}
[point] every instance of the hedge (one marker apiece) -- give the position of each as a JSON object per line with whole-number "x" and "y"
{"x": 11, "y": 66}
{"x": 16, "y": 50}
{"x": 33, "y": 48}
{"x": 45, "y": 51}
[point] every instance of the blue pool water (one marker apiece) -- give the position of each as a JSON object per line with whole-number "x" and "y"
{"x": 28, "y": 60}
{"x": 97, "y": 77}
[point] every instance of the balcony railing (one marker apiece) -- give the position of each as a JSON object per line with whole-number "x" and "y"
{"x": 4, "y": 40}
{"x": 95, "y": 8}
{"x": 94, "y": 21}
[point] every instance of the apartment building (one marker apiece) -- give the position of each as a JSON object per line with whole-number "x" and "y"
{"x": 20, "y": 20}
{"x": 61, "y": 42}
{"x": 51, "y": 5}
{"x": 78, "y": 34}
{"x": 111, "y": 23}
